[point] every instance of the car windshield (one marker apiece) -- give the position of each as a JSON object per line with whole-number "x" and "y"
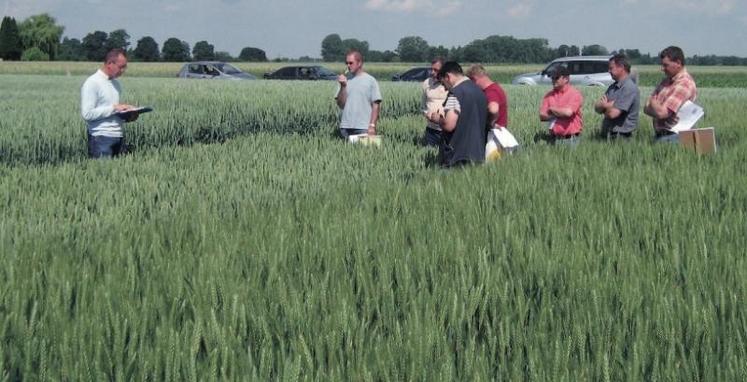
{"x": 228, "y": 69}
{"x": 552, "y": 67}
{"x": 322, "y": 71}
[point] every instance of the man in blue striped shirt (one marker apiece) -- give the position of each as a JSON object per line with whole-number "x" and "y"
{"x": 99, "y": 105}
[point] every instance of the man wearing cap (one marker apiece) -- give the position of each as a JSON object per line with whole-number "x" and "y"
{"x": 561, "y": 108}
{"x": 620, "y": 103}
{"x": 464, "y": 119}
{"x": 434, "y": 95}
{"x": 672, "y": 92}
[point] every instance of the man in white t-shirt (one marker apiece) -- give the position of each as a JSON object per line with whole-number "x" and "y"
{"x": 359, "y": 98}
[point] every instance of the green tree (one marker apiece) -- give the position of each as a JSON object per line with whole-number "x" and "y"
{"x": 437, "y": 51}
{"x": 34, "y": 54}
{"x": 117, "y": 39}
{"x": 203, "y": 51}
{"x": 252, "y": 55}
{"x": 175, "y": 50}
{"x": 94, "y": 46}
{"x": 223, "y": 56}
{"x": 594, "y": 50}
{"x": 41, "y": 31}
{"x": 146, "y": 50}
{"x": 10, "y": 40}
{"x": 71, "y": 49}
{"x": 332, "y": 48}
{"x": 413, "y": 49}
{"x": 355, "y": 44}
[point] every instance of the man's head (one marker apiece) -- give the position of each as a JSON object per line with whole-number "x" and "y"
{"x": 450, "y": 74}
{"x": 436, "y": 65}
{"x": 560, "y": 77}
{"x": 479, "y": 75}
{"x": 115, "y": 63}
{"x": 619, "y": 67}
{"x": 354, "y": 61}
{"x": 672, "y": 61}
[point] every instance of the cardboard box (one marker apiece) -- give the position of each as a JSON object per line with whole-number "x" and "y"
{"x": 702, "y": 141}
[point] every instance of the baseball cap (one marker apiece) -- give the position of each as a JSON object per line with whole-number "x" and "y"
{"x": 561, "y": 71}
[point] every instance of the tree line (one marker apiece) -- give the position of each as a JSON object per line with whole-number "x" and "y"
{"x": 39, "y": 38}
{"x": 495, "y": 49}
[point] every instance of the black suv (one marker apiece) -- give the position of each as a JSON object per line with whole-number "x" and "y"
{"x": 313, "y": 72}
{"x": 414, "y": 74}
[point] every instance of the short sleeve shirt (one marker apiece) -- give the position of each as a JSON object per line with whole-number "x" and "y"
{"x": 627, "y": 99}
{"x": 452, "y": 104}
{"x": 672, "y": 93}
{"x": 434, "y": 95}
{"x": 495, "y": 93}
{"x": 362, "y": 92}
{"x": 568, "y": 97}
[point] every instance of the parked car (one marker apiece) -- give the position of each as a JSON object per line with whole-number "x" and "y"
{"x": 414, "y": 74}
{"x": 585, "y": 71}
{"x": 302, "y": 72}
{"x": 214, "y": 70}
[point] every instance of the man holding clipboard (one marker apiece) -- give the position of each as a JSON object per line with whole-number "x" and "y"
{"x": 100, "y": 107}
{"x": 666, "y": 100}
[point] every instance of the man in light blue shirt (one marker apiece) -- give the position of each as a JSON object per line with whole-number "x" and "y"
{"x": 358, "y": 97}
{"x": 99, "y": 103}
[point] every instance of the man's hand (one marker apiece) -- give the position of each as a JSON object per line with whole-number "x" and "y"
{"x": 342, "y": 80}
{"x": 671, "y": 121}
{"x": 605, "y": 103}
{"x": 122, "y": 107}
{"x": 435, "y": 117}
{"x": 372, "y": 129}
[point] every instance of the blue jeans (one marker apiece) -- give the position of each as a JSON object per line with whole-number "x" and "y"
{"x": 572, "y": 141}
{"x": 432, "y": 137}
{"x": 667, "y": 138}
{"x": 345, "y": 133}
{"x": 105, "y": 147}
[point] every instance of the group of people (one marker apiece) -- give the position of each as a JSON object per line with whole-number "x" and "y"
{"x": 459, "y": 107}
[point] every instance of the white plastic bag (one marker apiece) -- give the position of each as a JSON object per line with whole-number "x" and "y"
{"x": 500, "y": 142}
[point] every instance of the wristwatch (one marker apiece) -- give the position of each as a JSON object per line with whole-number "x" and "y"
{"x": 372, "y": 125}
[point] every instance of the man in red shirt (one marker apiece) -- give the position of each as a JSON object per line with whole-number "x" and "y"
{"x": 672, "y": 92}
{"x": 561, "y": 108}
{"x": 497, "y": 101}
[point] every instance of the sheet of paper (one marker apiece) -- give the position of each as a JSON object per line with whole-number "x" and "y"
{"x": 688, "y": 115}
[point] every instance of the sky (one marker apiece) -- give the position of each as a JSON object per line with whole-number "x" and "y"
{"x": 284, "y": 28}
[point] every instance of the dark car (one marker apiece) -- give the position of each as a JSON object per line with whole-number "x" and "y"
{"x": 213, "y": 70}
{"x": 308, "y": 72}
{"x": 414, "y": 74}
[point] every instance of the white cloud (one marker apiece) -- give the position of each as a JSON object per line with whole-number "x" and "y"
{"x": 438, "y": 8}
{"x": 449, "y": 8}
{"x": 709, "y": 7}
{"x": 521, "y": 9}
{"x": 398, "y": 5}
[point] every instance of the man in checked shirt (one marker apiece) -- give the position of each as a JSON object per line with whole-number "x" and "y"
{"x": 672, "y": 92}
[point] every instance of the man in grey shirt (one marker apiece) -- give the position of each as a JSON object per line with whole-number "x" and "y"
{"x": 620, "y": 103}
{"x": 359, "y": 98}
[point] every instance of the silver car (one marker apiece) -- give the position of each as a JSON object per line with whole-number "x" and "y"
{"x": 585, "y": 71}
{"x": 214, "y": 70}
